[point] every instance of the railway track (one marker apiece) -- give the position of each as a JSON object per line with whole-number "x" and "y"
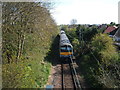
{"x": 69, "y": 76}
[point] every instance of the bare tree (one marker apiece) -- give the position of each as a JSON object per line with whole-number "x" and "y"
{"x": 73, "y": 21}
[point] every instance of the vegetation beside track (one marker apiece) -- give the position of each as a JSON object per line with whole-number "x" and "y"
{"x": 28, "y": 31}
{"x": 96, "y": 56}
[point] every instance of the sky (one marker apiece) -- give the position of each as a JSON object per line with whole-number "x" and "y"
{"x": 85, "y": 11}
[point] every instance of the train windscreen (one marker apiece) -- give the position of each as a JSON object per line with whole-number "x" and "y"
{"x": 66, "y": 49}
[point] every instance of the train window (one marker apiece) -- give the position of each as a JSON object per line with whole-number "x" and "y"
{"x": 63, "y": 48}
{"x": 66, "y": 49}
{"x": 69, "y": 48}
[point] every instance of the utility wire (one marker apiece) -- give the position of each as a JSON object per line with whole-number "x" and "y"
{"x": 81, "y": 38}
{"x": 104, "y": 71}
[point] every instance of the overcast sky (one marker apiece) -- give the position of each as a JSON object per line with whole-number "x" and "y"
{"x": 85, "y": 11}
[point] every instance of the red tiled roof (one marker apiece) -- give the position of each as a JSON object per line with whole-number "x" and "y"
{"x": 110, "y": 29}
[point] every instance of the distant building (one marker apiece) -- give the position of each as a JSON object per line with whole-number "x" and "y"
{"x": 114, "y": 32}
{"x": 111, "y": 30}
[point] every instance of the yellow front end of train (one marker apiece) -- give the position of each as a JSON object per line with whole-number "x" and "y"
{"x": 66, "y": 51}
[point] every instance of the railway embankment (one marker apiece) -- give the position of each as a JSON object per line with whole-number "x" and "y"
{"x": 26, "y": 39}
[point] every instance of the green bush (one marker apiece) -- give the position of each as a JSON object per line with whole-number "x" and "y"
{"x": 106, "y": 53}
{"x": 103, "y": 46}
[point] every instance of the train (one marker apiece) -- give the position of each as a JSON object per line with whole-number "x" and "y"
{"x": 66, "y": 49}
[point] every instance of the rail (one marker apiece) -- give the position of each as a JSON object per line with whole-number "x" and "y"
{"x": 74, "y": 77}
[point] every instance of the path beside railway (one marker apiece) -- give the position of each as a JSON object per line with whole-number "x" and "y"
{"x": 55, "y": 76}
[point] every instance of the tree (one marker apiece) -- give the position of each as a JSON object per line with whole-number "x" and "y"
{"x": 73, "y": 21}
{"x": 16, "y": 21}
{"x": 20, "y": 19}
{"x": 27, "y": 30}
{"x": 105, "y": 51}
{"x": 112, "y": 23}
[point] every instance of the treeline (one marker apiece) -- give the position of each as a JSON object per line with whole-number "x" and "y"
{"x": 96, "y": 55}
{"x": 27, "y": 32}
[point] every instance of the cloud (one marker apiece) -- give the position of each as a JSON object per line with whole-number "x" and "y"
{"x": 86, "y": 12}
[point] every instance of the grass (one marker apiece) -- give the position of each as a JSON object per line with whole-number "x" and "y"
{"x": 31, "y": 73}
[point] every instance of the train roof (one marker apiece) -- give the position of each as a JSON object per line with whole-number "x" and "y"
{"x": 62, "y": 32}
{"x": 63, "y": 44}
{"x": 64, "y": 40}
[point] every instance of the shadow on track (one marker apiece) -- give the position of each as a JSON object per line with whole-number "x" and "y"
{"x": 53, "y": 54}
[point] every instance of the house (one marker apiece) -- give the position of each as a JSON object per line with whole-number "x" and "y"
{"x": 111, "y": 30}
{"x": 114, "y": 32}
